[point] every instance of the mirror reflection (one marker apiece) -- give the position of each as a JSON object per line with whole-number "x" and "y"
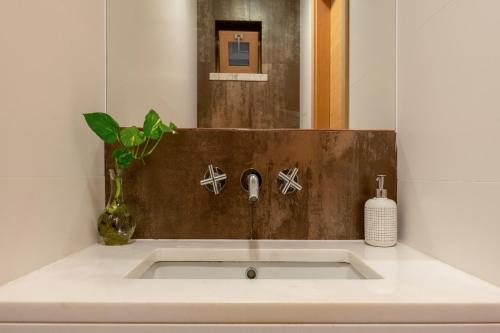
{"x": 253, "y": 63}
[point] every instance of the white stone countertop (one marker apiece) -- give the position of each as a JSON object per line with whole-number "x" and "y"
{"x": 90, "y": 287}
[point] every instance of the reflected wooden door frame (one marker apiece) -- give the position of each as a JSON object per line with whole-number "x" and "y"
{"x": 330, "y": 64}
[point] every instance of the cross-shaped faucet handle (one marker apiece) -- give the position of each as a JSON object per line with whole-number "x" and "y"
{"x": 288, "y": 181}
{"x": 214, "y": 179}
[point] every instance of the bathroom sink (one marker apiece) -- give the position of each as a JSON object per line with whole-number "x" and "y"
{"x": 250, "y": 270}
{"x": 252, "y": 264}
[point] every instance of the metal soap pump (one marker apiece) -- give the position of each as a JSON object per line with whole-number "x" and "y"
{"x": 381, "y": 215}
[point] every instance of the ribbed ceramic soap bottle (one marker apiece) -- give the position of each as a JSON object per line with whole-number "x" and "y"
{"x": 381, "y": 218}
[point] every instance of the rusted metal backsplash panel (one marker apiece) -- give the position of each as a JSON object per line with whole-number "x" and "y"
{"x": 337, "y": 172}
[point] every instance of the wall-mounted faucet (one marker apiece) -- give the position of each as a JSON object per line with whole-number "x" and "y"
{"x": 251, "y": 181}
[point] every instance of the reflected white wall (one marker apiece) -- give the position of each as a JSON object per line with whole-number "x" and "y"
{"x": 372, "y": 68}
{"x": 306, "y": 65}
{"x": 152, "y": 60}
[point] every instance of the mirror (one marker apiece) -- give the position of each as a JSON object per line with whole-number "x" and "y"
{"x": 253, "y": 63}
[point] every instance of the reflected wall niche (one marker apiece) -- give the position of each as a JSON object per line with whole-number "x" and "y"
{"x": 265, "y": 97}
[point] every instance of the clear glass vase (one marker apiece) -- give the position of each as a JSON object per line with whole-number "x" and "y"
{"x": 115, "y": 224}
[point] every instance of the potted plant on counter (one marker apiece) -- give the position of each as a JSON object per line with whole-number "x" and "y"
{"x": 115, "y": 225}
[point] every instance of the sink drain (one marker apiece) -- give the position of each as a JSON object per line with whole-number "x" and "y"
{"x": 251, "y": 273}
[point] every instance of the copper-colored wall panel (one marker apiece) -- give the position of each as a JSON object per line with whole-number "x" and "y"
{"x": 337, "y": 171}
{"x": 237, "y": 104}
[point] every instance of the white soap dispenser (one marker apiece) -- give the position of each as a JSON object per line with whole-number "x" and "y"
{"x": 381, "y": 218}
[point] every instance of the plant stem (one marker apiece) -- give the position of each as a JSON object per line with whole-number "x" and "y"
{"x": 145, "y": 146}
{"x": 154, "y": 147}
{"x": 118, "y": 183}
{"x": 136, "y": 153}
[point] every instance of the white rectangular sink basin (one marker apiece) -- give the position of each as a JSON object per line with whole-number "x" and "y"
{"x": 252, "y": 264}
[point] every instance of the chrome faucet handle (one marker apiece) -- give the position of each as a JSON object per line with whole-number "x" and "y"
{"x": 214, "y": 179}
{"x": 288, "y": 181}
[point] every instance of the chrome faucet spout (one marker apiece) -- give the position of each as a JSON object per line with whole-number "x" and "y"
{"x": 253, "y": 183}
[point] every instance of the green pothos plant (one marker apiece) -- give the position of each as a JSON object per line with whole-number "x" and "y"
{"x": 133, "y": 143}
{"x": 116, "y": 225}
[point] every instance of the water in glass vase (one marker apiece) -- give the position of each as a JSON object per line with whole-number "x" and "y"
{"x": 115, "y": 224}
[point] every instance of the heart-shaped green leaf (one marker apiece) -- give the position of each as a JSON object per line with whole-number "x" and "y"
{"x": 168, "y": 128}
{"x": 152, "y": 125}
{"x": 164, "y": 128}
{"x": 103, "y": 125}
{"x": 123, "y": 157}
{"x": 132, "y": 137}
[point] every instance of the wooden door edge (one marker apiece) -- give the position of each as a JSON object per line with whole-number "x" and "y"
{"x": 330, "y": 102}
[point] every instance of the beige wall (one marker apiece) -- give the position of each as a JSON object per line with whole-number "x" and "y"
{"x": 52, "y": 68}
{"x": 372, "y": 64}
{"x": 449, "y": 131}
{"x": 152, "y": 60}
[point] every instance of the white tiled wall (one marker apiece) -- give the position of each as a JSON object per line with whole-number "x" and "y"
{"x": 51, "y": 165}
{"x": 449, "y": 131}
